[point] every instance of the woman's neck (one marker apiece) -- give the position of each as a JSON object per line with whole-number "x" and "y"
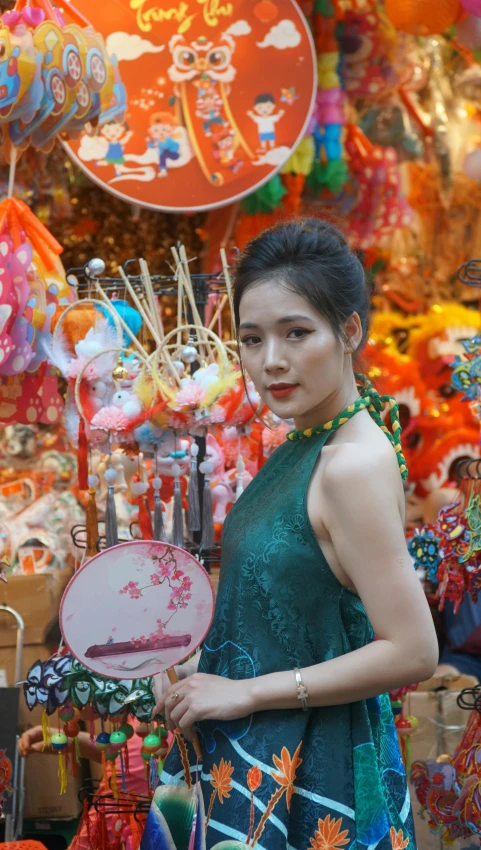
{"x": 331, "y": 406}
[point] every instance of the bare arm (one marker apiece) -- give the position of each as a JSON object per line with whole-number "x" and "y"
{"x": 365, "y": 527}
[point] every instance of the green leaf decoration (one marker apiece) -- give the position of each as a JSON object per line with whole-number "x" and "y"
{"x": 331, "y": 175}
{"x": 266, "y": 199}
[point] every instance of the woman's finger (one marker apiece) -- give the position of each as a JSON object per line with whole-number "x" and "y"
{"x": 187, "y": 724}
{"x": 178, "y": 710}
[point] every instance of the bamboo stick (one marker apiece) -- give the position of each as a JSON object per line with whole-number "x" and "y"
{"x": 123, "y": 324}
{"x": 228, "y": 283}
{"x": 218, "y": 310}
{"x": 147, "y": 281}
{"x": 148, "y": 324}
{"x": 139, "y": 307}
{"x": 205, "y": 346}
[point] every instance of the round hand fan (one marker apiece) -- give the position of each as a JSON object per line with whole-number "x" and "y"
{"x": 137, "y": 609}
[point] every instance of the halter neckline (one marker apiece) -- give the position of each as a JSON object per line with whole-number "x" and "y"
{"x": 375, "y": 403}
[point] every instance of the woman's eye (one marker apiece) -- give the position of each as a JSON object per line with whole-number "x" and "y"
{"x": 298, "y": 333}
{"x": 250, "y": 340}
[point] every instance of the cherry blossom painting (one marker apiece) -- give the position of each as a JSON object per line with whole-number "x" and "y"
{"x": 137, "y": 609}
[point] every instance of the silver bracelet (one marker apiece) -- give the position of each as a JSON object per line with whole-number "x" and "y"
{"x": 302, "y": 694}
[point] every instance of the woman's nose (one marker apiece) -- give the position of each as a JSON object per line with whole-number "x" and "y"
{"x": 274, "y": 359}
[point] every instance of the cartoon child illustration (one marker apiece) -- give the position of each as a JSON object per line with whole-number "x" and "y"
{"x": 265, "y": 116}
{"x": 117, "y": 134}
{"x": 208, "y": 107}
{"x": 225, "y": 149}
{"x": 162, "y": 133}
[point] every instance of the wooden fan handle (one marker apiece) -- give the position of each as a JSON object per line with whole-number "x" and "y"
{"x": 173, "y": 679}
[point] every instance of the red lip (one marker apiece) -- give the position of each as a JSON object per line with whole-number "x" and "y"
{"x": 282, "y": 390}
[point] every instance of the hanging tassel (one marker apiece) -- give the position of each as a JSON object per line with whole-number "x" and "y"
{"x": 82, "y": 456}
{"x": 193, "y": 511}
{"x": 105, "y": 778}
{"x": 144, "y": 520}
{"x": 154, "y": 774}
{"x": 91, "y": 521}
{"x": 113, "y": 780}
{"x": 45, "y": 730}
{"x": 208, "y": 536}
{"x": 122, "y": 771}
{"x": 62, "y": 773}
{"x": 125, "y": 755}
{"x": 111, "y": 532}
{"x": 178, "y": 520}
{"x": 159, "y": 530}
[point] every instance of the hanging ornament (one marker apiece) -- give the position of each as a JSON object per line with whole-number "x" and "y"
{"x": 159, "y": 530}
{"x": 208, "y": 532}
{"x": 178, "y": 518}
{"x": 189, "y": 353}
{"x": 120, "y": 373}
{"x": 91, "y": 518}
{"x": 59, "y": 743}
{"x": 111, "y": 531}
{"x": 193, "y": 512}
{"x": 139, "y": 490}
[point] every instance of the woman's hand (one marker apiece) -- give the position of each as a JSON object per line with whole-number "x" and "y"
{"x": 32, "y": 742}
{"x": 204, "y": 697}
{"x": 162, "y": 681}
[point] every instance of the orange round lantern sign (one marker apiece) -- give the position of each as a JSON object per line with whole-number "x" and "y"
{"x": 219, "y": 95}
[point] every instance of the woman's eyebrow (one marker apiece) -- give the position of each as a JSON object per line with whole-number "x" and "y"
{"x": 286, "y": 320}
{"x": 297, "y": 318}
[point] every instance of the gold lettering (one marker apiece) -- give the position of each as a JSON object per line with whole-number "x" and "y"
{"x": 147, "y": 16}
{"x": 214, "y": 10}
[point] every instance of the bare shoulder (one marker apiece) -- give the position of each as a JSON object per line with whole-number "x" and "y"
{"x": 362, "y": 462}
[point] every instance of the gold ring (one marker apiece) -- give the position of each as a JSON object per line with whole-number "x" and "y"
{"x": 175, "y": 697}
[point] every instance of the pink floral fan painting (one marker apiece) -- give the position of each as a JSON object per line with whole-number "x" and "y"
{"x": 137, "y": 609}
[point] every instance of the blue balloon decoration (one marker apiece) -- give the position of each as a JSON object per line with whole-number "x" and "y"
{"x": 129, "y": 314}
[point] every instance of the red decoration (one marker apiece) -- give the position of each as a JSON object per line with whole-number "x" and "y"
{"x": 208, "y": 120}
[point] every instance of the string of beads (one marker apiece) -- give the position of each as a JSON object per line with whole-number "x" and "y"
{"x": 375, "y": 403}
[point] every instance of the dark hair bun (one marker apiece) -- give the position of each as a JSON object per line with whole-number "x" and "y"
{"x": 315, "y": 260}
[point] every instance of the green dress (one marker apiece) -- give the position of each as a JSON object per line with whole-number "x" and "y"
{"x": 326, "y": 779}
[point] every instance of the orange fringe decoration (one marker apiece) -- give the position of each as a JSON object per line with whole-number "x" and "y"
{"x": 105, "y": 778}
{"x": 294, "y": 183}
{"x": 62, "y": 773}
{"x": 249, "y": 226}
{"x": 92, "y": 526}
{"x": 113, "y": 780}
{"x": 144, "y": 520}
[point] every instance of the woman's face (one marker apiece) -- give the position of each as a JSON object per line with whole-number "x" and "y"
{"x": 296, "y": 361}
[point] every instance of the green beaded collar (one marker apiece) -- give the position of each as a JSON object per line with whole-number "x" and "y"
{"x": 373, "y": 402}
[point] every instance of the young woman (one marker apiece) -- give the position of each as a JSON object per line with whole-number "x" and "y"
{"x": 299, "y": 745}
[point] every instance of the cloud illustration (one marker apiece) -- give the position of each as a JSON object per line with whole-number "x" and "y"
{"x": 239, "y": 28}
{"x": 282, "y": 36}
{"x": 276, "y": 156}
{"x": 92, "y": 148}
{"x": 130, "y": 47}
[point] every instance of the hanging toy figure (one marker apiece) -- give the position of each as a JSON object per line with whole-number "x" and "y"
{"x": 59, "y": 742}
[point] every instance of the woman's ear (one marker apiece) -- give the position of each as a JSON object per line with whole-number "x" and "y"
{"x": 352, "y": 334}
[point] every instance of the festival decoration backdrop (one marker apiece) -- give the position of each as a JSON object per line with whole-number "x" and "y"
{"x": 219, "y": 97}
